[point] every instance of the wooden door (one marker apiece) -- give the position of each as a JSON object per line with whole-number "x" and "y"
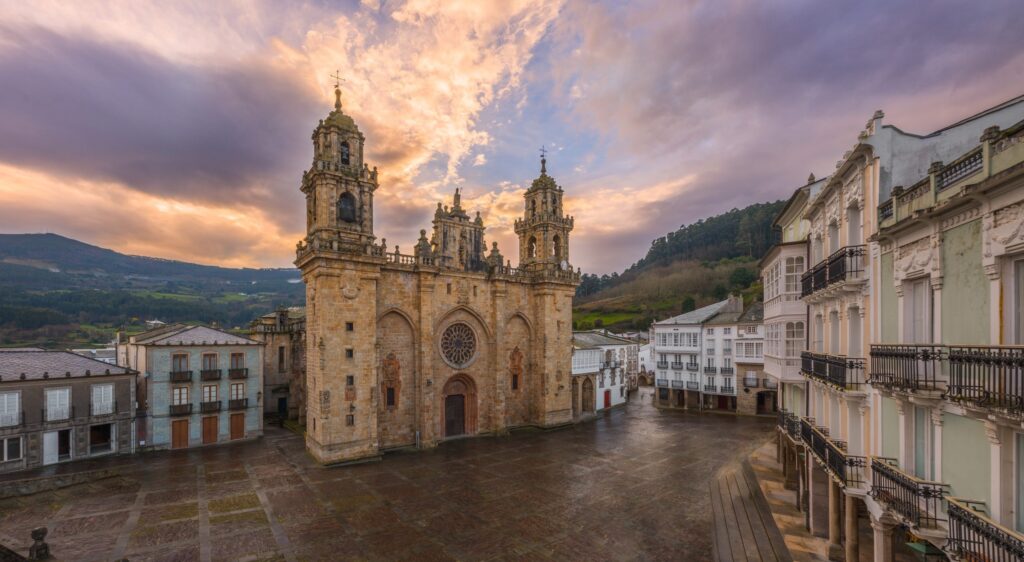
{"x": 179, "y": 434}
{"x": 607, "y": 399}
{"x": 237, "y": 426}
{"x": 209, "y": 430}
{"x": 454, "y": 415}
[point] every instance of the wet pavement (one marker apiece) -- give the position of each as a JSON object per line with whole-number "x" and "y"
{"x": 631, "y": 485}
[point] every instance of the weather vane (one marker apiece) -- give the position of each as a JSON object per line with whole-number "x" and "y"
{"x": 543, "y": 151}
{"x": 337, "y": 78}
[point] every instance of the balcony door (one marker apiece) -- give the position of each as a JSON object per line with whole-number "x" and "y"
{"x": 917, "y": 311}
{"x": 1018, "y": 309}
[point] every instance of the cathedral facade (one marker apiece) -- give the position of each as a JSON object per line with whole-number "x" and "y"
{"x": 412, "y": 349}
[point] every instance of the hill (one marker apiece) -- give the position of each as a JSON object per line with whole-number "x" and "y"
{"x": 696, "y": 265}
{"x": 56, "y": 291}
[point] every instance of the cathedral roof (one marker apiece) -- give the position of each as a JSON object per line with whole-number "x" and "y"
{"x": 544, "y": 181}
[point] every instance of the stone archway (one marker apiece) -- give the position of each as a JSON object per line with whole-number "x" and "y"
{"x": 458, "y": 406}
{"x": 588, "y": 396}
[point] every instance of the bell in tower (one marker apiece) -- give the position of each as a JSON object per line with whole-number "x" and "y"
{"x": 544, "y": 229}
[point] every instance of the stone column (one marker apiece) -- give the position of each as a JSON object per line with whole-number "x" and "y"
{"x": 792, "y": 480}
{"x": 883, "y": 542}
{"x": 835, "y": 514}
{"x": 852, "y": 530}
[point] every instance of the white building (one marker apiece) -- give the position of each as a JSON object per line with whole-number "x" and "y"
{"x": 599, "y": 373}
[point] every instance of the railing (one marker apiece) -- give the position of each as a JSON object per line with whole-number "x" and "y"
{"x": 791, "y": 424}
{"x": 848, "y": 470}
{"x": 726, "y": 351}
{"x": 663, "y": 364}
{"x": 844, "y": 373}
{"x": 728, "y": 389}
{"x": 727, "y": 371}
{"x": 211, "y": 406}
{"x": 885, "y": 210}
{"x": 806, "y": 284}
{"x": 677, "y": 384}
{"x": 750, "y": 382}
{"x": 962, "y": 168}
{"x": 710, "y": 388}
{"x": 846, "y": 264}
{"x": 60, "y": 413}
{"x": 973, "y": 536}
{"x": 103, "y": 408}
{"x": 661, "y": 382}
{"x": 238, "y": 403}
{"x": 209, "y": 375}
{"x": 181, "y": 376}
{"x": 692, "y": 367}
{"x": 12, "y": 419}
{"x": 918, "y": 501}
{"x": 180, "y": 409}
{"x": 771, "y": 384}
{"x": 987, "y": 377}
{"x": 710, "y": 370}
{"x": 677, "y": 366}
{"x": 692, "y": 385}
{"x": 909, "y": 368}
{"x": 235, "y": 374}
{"x": 806, "y": 429}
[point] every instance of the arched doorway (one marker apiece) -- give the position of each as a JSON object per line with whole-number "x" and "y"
{"x": 458, "y": 411}
{"x": 588, "y": 395}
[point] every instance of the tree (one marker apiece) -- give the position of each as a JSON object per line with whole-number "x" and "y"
{"x": 689, "y": 304}
{"x": 741, "y": 278}
{"x": 719, "y": 292}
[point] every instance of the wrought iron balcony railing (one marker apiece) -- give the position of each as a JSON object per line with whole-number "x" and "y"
{"x": 181, "y": 376}
{"x": 848, "y": 470}
{"x": 677, "y": 365}
{"x": 692, "y": 385}
{"x": 843, "y": 373}
{"x": 180, "y": 409}
{"x": 677, "y": 384}
{"x": 58, "y": 413}
{"x": 974, "y": 536}
{"x": 728, "y": 390}
{"x": 710, "y": 370}
{"x": 908, "y": 368}
{"x": 240, "y": 373}
{"x": 727, "y": 370}
{"x": 750, "y": 382}
{"x": 710, "y": 388}
{"x": 692, "y": 367}
{"x": 918, "y": 501}
{"x": 987, "y": 377}
{"x": 211, "y": 406}
{"x": 663, "y": 364}
{"x": 238, "y": 403}
{"x": 102, "y": 408}
{"x": 209, "y": 375}
{"x": 845, "y": 264}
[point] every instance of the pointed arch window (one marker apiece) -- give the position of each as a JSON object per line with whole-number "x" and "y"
{"x": 346, "y": 154}
{"x": 347, "y": 208}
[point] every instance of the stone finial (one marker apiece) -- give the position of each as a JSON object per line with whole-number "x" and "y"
{"x": 810, "y": 178}
{"x": 39, "y": 549}
{"x": 990, "y": 134}
{"x": 897, "y": 191}
{"x": 878, "y": 114}
{"x": 935, "y": 168}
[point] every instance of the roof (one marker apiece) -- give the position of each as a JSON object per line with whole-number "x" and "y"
{"x": 753, "y": 314}
{"x": 39, "y": 365}
{"x": 180, "y": 334}
{"x": 596, "y": 339}
{"x": 698, "y": 316}
{"x": 293, "y": 313}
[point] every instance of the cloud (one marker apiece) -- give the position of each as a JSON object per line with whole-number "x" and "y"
{"x": 480, "y": 159}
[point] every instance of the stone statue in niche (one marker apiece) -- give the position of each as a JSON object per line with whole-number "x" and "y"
{"x": 515, "y": 366}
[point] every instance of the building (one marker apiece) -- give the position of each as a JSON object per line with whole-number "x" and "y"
{"x": 196, "y": 385}
{"x": 914, "y": 243}
{"x": 677, "y": 354}
{"x": 56, "y": 406}
{"x": 600, "y": 378}
{"x": 645, "y": 364}
{"x": 449, "y": 340}
{"x": 283, "y": 333}
{"x": 105, "y": 354}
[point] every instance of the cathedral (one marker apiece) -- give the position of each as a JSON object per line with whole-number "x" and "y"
{"x": 408, "y": 350}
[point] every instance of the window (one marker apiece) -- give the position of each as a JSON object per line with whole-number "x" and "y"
{"x": 237, "y": 360}
{"x": 210, "y": 393}
{"x": 515, "y": 381}
{"x": 102, "y": 399}
{"x": 237, "y": 390}
{"x": 794, "y": 270}
{"x": 727, "y": 331}
{"x": 101, "y": 438}
{"x": 794, "y": 338}
{"x": 350, "y": 420}
{"x": 11, "y": 449}
{"x": 349, "y": 353}
{"x": 10, "y": 408}
{"x": 347, "y": 208}
{"x": 350, "y": 380}
{"x": 280, "y": 359}
{"x": 917, "y": 302}
{"x": 58, "y": 404}
{"x": 710, "y": 331}
{"x": 449, "y": 287}
{"x": 179, "y": 395}
{"x": 345, "y": 154}
{"x": 390, "y": 397}
{"x": 179, "y": 362}
{"x": 209, "y": 361}
{"x": 349, "y": 327}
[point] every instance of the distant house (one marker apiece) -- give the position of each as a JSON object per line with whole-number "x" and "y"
{"x": 599, "y": 374}
{"x": 56, "y": 406}
{"x": 284, "y": 362}
{"x": 196, "y": 385}
{"x": 106, "y": 354}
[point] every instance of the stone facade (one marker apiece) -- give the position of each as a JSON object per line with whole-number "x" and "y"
{"x": 408, "y": 350}
{"x": 284, "y": 361}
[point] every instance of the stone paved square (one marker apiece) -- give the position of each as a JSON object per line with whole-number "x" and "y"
{"x": 630, "y": 485}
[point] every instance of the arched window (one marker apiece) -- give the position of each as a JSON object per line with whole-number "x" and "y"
{"x": 556, "y": 248}
{"x": 346, "y": 157}
{"x": 531, "y": 248}
{"x": 347, "y": 208}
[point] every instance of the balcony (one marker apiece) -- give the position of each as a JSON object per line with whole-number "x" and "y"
{"x": 103, "y": 408}
{"x": 727, "y": 371}
{"x": 844, "y": 265}
{"x": 677, "y": 366}
{"x": 692, "y": 367}
{"x": 677, "y": 384}
{"x": 12, "y": 419}
{"x": 710, "y": 370}
{"x": 728, "y": 389}
{"x": 848, "y": 470}
{"x": 692, "y": 385}
{"x": 208, "y": 407}
{"x": 609, "y": 364}
{"x": 236, "y": 374}
{"x": 710, "y": 388}
{"x": 662, "y": 382}
{"x": 750, "y": 382}
{"x": 790, "y": 424}
{"x": 907, "y": 368}
{"x": 209, "y": 375}
{"x": 987, "y": 377}
{"x": 843, "y": 373}
{"x": 181, "y": 376}
{"x": 918, "y": 501}
{"x": 180, "y": 409}
{"x": 973, "y": 536}
{"x": 726, "y": 352}
{"x": 663, "y": 364}
{"x": 59, "y": 413}
{"x": 238, "y": 403}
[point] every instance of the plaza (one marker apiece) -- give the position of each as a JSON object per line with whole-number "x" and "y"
{"x": 631, "y": 485}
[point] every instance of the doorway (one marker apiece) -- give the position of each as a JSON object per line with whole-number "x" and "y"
{"x": 282, "y": 407}
{"x": 454, "y": 415}
{"x": 209, "y": 430}
{"x": 101, "y": 438}
{"x": 607, "y": 399}
{"x": 588, "y": 395}
{"x": 56, "y": 446}
{"x": 237, "y": 426}
{"x": 179, "y": 434}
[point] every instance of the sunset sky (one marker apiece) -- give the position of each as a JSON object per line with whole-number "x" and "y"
{"x": 181, "y": 129}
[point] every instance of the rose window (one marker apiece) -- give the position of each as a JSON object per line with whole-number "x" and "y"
{"x": 458, "y": 345}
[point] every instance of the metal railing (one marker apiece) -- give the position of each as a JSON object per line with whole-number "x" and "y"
{"x": 750, "y": 382}
{"x": 179, "y": 409}
{"x": 238, "y": 403}
{"x": 710, "y": 388}
{"x": 663, "y": 364}
{"x": 728, "y": 389}
{"x": 727, "y": 371}
{"x": 677, "y": 366}
{"x": 918, "y": 501}
{"x": 181, "y": 376}
{"x": 885, "y": 210}
{"x": 844, "y": 373}
{"x": 209, "y": 375}
{"x": 710, "y": 370}
{"x": 848, "y": 470}
{"x": 692, "y": 385}
{"x": 909, "y": 368}
{"x": 211, "y": 406}
{"x": 677, "y": 384}
{"x": 845, "y": 264}
{"x": 987, "y": 377}
{"x": 239, "y": 373}
{"x": 692, "y": 367}
{"x": 964, "y": 167}
{"x": 974, "y": 536}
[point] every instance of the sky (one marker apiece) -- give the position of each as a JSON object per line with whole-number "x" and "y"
{"x": 181, "y": 129}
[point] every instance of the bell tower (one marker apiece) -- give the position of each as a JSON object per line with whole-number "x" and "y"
{"x": 544, "y": 229}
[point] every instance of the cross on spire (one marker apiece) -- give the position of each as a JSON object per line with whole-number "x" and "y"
{"x": 337, "y": 78}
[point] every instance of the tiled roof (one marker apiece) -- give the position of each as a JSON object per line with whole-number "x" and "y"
{"x": 753, "y": 313}
{"x": 180, "y": 335}
{"x": 698, "y": 316}
{"x": 596, "y": 339}
{"x": 38, "y": 365}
